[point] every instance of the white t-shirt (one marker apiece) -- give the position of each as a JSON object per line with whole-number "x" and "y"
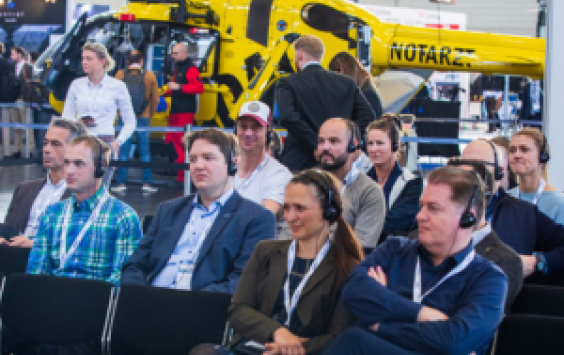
{"x": 266, "y": 184}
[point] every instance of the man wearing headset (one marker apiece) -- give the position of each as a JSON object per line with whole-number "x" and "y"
{"x": 433, "y": 295}
{"x": 532, "y": 234}
{"x": 365, "y": 209}
{"x": 91, "y": 234}
{"x": 202, "y": 241}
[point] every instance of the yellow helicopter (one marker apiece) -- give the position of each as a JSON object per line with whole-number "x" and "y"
{"x": 245, "y": 46}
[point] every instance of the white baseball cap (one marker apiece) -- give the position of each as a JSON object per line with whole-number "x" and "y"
{"x": 257, "y": 110}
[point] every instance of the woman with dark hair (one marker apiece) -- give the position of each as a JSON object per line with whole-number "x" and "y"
{"x": 288, "y": 297}
{"x": 346, "y": 64}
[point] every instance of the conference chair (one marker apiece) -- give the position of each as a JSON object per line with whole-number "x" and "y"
{"x": 540, "y": 300}
{"x": 56, "y": 310}
{"x": 13, "y": 259}
{"x": 159, "y": 321}
{"x": 530, "y": 334}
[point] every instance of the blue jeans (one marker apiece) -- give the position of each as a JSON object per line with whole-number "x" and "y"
{"x": 144, "y": 153}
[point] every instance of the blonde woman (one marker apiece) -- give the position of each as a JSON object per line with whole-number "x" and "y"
{"x": 528, "y": 157}
{"x": 96, "y": 98}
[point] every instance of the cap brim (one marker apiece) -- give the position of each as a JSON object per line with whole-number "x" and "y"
{"x": 258, "y": 118}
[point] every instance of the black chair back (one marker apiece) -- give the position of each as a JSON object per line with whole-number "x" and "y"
{"x": 13, "y": 259}
{"x": 56, "y": 310}
{"x": 158, "y": 321}
{"x": 530, "y": 334}
{"x": 540, "y": 300}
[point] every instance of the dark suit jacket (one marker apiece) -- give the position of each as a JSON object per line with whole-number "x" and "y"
{"x": 22, "y": 200}
{"x": 25, "y": 77}
{"x": 240, "y": 225}
{"x": 306, "y": 100}
{"x": 492, "y": 248}
{"x": 320, "y": 310}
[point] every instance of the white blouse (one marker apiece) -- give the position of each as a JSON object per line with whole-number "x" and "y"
{"x": 101, "y": 102}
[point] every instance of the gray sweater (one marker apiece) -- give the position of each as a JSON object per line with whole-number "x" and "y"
{"x": 365, "y": 210}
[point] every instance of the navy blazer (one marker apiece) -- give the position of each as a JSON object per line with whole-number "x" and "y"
{"x": 240, "y": 225}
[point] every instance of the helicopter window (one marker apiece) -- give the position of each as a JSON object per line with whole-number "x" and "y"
{"x": 325, "y": 18}
{"x": 207, "y": 42}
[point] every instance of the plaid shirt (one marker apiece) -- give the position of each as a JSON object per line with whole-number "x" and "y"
{"x": 110, "y": 241}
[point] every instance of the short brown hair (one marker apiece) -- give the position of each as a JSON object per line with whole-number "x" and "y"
{"x": 228, "y": 146}
{"x": 311, "y": 45}
{"x": 97, "y": 147}
{"x": 463, "y": 184}
{"x": 20, "y": 50}
{"x": 387, "y": 125}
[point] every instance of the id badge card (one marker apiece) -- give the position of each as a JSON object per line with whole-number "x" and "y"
{"x": 184, "y": 276}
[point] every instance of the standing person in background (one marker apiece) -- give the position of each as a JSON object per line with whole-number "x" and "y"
{"x": 346, "y": 64}
{"x": 39, "y": 116}
{"x": 5, "y": 68}
{"x": 183, "y": 88}
{"x": 96, "y": 98}
{"x": 144, "y": 91}
{"x": 528, "y": 158}
{"x": 24, "y": 72}
{"x": 310, "y": 97}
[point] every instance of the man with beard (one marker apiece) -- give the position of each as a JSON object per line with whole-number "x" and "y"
{"x": 365, "y": 209}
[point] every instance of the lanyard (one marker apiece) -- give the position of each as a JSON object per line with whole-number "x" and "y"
{"x": 417, "y": 297}
{"x": 258, "y": 169}
{"x": 291, "y": 304}
{"x": 539, "y": 192}
{"x": 65, "y": 254}
{"x": 42, "y": 206}
{"x": 350, "y": 178}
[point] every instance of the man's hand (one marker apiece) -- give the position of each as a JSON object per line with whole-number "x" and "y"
{"x": 428, "y": 314}
{"x": 379, "y": 275}
{"x": 3, "y": 241}
{"x": 374, "y": 327}
{"x": 173, "y": 86}
{"x": 529, "y": 264}
{"x": 288, "y": 343}
{"x": 271, "y": 349}
{"x": 21, "y": 241}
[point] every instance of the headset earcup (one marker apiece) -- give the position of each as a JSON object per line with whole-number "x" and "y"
{"x": 467, "y": 220}
{"x": 544, "y": 157}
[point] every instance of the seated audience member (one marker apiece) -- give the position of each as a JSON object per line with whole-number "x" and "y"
{"x": 276, "y": 146}
{"x": 487, "y": 243}
{"x": 519, "y": 224}
{"x": 288, "y": 299}
{"x": 363, "y": 199}
{"x": 359, "y": 158}
{"x": 528, "y": 158}
{"x": 31, "y": 198}
{"x": 401, "y": 187}
{"x": 111, "y": 228}
{"x": 509, "y": 180}
{"x": 433, "y": 295}
{"x": 202, "y": 241}
{"x": 259, "y": 178}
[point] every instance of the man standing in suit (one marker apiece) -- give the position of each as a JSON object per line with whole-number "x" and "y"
{"x": 312, "y": 96}
{"x": 24, "y": 72}
{"x": 202, "y": 241}
{"x": 31, "y": 198}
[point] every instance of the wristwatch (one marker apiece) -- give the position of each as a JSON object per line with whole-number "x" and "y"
{"x": 541, "y": 262}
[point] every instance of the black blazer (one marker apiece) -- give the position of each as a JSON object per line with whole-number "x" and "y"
{"x": 22, "y": 201}
{"x": 319, "y": 308}
{"x": 492, "y": 248}
{"x": 240, "y": 225}
{"x": 306, "y": 100}
{"x": 373, "y": 99}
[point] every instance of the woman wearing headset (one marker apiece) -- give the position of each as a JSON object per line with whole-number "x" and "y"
{"x": 528, "y": 158}
{"x": 96, "y": 98}
{"x": 402, "y": 189}
{"x": 312, "y": 267}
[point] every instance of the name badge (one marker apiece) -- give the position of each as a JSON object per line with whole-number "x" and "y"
{"x": 184, "y": 276}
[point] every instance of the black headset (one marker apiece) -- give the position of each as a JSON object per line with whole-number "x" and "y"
{"x": 231, "y": 164}
{"x": 468, "y": 219}
{"x": 99, "y": 170}
{"x": 395, "y": 137}
{"x": 498, "y": 171}
{"x": 544, "y": 157}
{"x": 355, "y": 142}
{"x": 331, "y": 211}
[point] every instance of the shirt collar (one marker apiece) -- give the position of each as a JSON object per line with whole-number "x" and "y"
{"x": 101, "y": 84}
{"x": 480, "y": 234}
{"x": 458, "y": 257}
{"x": 49, "y": 182}
{"x": 396, "y": 170}
{"x": 90, "y": 203}
{"x": 313, "y": 62}
{"x": 220, "y": 202}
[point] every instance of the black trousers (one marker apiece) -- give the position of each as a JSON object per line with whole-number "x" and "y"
{"x": 360, "y": 341}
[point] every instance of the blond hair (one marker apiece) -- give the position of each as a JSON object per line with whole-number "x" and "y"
{"x": 310, "y": 45}
{"x": 101, "y": 53}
